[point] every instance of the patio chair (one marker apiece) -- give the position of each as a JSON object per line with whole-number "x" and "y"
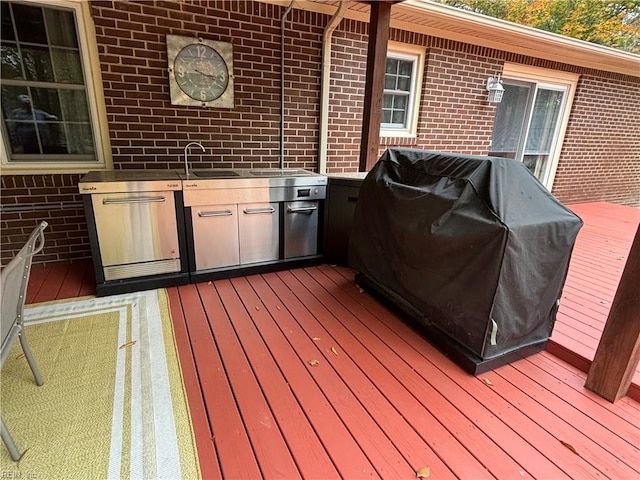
{"x": 13, "y": 287}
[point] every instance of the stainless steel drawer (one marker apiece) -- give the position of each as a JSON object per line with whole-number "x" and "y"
{"x": 136, "y": 228}
{"x": 259, "y": 232}
{"x": 300, "y": 229}
{"x": 215, "y": 236}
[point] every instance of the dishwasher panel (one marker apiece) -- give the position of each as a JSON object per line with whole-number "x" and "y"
{"x": 138, "y": 233}
{"x": 300, "y": 229}
{"x": 215, "y": 236}
{"x": 259, "y": 232}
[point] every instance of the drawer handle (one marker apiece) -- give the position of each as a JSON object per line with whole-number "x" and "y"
{"x": 255, "y": 211}
{"x": 301, "y": 209}
{"x": 218, "y": 213}
{"x": 119, "y": 201}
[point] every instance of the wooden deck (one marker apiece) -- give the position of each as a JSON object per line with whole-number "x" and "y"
{"x": 381, "y": 402}
{"x": 597, "y": 263}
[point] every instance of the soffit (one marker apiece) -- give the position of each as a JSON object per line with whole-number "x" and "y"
{"x": 423, "y": 16}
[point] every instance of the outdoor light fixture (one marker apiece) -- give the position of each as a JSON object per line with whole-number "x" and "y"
{"x": 495, "y": 89}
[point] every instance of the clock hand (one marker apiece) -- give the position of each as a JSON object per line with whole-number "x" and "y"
{"x": 205, "y": 74}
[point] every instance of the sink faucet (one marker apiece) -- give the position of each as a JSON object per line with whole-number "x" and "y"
{"x": 186, "y": 161}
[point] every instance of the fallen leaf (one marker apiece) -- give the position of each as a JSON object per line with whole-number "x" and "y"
{"x": 314, "y": 363}
{"x": 334, "y": 351}
{"x": 423, "y": 472}
{"x": 278, "y": 307}
{"x": 604, "y": 302}
{"x": 316, "y": 339}
{"x": 257, "y": 307}
{"x": 209, "y": 283}
{"x": 487, "y": 381}
{"x": 22, "y": 355}
{"x": 360, "y": 290}
{"x": 570, "y": 447}
{"x": 128, "y": 344}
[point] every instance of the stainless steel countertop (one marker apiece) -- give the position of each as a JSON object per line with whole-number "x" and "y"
{"x": 123, "y": 181}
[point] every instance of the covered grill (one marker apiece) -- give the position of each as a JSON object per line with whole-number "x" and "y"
{"x": 474, "y": 249}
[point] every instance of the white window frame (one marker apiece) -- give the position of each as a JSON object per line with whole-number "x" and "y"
{"x": 95, "y": 95}
{"x": 417, "y": 55}
{"x": 555, "y": 80}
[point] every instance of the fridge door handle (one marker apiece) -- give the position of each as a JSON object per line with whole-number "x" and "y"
{"x": 307, "y": 210}
{"x": 125, "y": 200}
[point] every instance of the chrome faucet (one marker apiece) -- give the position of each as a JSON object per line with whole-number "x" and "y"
{"x": 186, "y": 161}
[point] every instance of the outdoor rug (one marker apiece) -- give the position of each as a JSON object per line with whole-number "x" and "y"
{"x": 113, "y": 403}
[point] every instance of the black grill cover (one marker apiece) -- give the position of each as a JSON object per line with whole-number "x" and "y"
{"x": 475, "y": 246}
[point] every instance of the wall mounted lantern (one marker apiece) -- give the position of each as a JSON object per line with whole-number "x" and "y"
{"x": 495, "y": 89}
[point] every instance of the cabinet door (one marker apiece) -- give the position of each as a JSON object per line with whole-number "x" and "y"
{"x": 259, "y": 232}
{"x": 215, "y": 236}
{"x": 136, "y": 227}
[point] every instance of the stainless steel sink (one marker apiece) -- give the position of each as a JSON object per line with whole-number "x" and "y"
{"x": 215, "y": 173}
{"x": 276, "y": 172}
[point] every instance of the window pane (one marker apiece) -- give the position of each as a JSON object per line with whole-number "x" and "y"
{"x": 509, "y": 121}
{"x": 400, "y": 102}
{"x": 37, "y": 64}
{"x": 74, "y": 106}
{"x": 61, "y": 28}
{"x": 389, "y": 82}
{"x": 29, "y": 126}
{"x": 7, "y": 26}
{"x": 546, "y": 111}
{"x": 386, "y": 116}
{"x": 404, "y": 84}
{"x": 80, "y": 139}
{"x": 398, "y": 117}
{"x": 46, "y": 100}
{"x": 44, "y": 122}
{"x": 11, "y": 67}
{"x": 67, "y": 66}
{"x": 406, "y": 68}
{"x": 392, "y": 66}
{"x": 29, "y": 23}
{"x": 11, "y": 99}
{"x": 387, "y": 101}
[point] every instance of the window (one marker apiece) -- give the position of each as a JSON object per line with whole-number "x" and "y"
{"x": 402, "y": 81}
{"x": 530, "y": 121}
{"x": 49, "y": 114}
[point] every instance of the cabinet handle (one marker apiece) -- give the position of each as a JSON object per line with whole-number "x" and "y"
{"x": 118, "y": 201}
{"x": 301, "y": 209}
{"x": 255, "y": 211}
{"x": 218, "y": 213}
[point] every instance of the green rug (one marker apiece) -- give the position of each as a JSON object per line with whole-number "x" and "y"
{"x": 113, "y": 403}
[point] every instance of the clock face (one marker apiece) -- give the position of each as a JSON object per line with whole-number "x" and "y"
{"x": 201, "y": 72}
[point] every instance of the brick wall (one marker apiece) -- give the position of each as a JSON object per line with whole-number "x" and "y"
{"x": 29, "y": 199}
{"x": 148, "y": 132}
{"x": 453, "y": 115}
{"x": 600, "y": 158}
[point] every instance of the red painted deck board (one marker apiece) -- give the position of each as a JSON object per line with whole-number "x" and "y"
{"x": 235, "y": 452}
{"x": 291, "y": 352}
{"x": 209, "y": 466}
{"x": 389, "y": 402}
{"x": 512, "y": 429}
{"x": 596, "y": 266}
{"x": 301, "y": 440}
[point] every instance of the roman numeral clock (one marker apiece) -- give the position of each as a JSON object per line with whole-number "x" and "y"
{"x": 200, "y": 72}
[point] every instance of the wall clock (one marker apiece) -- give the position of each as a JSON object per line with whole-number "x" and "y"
{"x": 200, "y": 72}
